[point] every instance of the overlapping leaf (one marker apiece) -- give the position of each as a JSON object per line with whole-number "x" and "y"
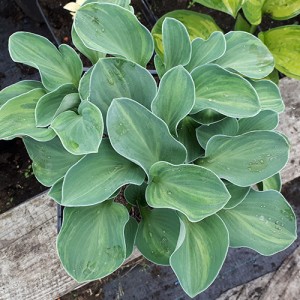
{"x": 282, "y": 9}
{"x": 237, "y": 194}
{"x": 253, "y": 10}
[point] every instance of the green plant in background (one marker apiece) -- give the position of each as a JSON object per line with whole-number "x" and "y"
{"x": 189, "y": 152}
{"x": 283, "y": 42}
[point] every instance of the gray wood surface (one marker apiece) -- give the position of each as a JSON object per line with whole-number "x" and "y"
{"x": 30, "y": 268}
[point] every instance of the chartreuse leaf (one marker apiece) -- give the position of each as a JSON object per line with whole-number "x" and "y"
{"x": 50, "y": 160}
{"x": 176, "y": 44}
{"x": 283, "y": 43}
{"x": 116, "y": 77}
{"x": 265, "y": 120}
{"x": 237, "y": 194}
{"x": 263, "y": 221}
{"x": 187, "y": 136}
{"x": 200, "y": 253}
{"x": 252, "y": 10}
{"x": 195, "y": 191}
{"x": 224, "y": 92}
{"x": 135, "y": 194}
{"x": 175, "y": 97}
{"x": 132, "y": 137}
{"x": 247, "y": 55}
{"x": 157, "y": 234}
{"x": 282, "y": 9}
{"x": 48, "y": 106}
{"x": 80, "y": 133}
{"x": 17, "y": 117}
{"x": 227, "y": 126}
{"x": 248, "y": 158}
{"x": 92, "y": 55}
{"x": 56, "y": 67}
{"x": 18, "y": 89}
{"x": 271, "y": 183}
{"x": 241, "y": 24}
{"x": 130, "y": 234}
{"x": 56, "y": 191}
{"x": 100, "y": 229}
{"x": 230, "y": 7}
{"x": 84, "y": 84}
{"x": 206, "y": 51}
{"x": 99, "y": 31}
{"x": 97, "y": 176}
{"x": 207, "y": 116}
{"x": 269, "y": 95}
{"x": 198, "y": 26}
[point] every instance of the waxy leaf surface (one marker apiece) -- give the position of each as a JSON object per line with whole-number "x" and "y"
{"x": 237, "y": 194}
{"x": 253, "y": 10}
{"x": 282, "y": 9}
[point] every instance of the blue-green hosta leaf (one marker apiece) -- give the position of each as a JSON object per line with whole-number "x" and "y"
{"x": 230, "y": 7}
{"x": 159, "y": 66}
{"x": 271, "y": 183}
{"x": 18, "y": 89}
{"x": 248, "y": 158}
{"x": 91, "y": 243}
{"x": 56, "y": 67}
{"x": 48, "y": 106}
{"x": 130, "y": 234}
{"x": 206, "y": 51}
{"x": 282, "y": 9}
{"x": 187, "y": 136}
{"x": 111, "y": 29}
{"x": 207, "y": 116}
{"x": 92, "y": 55}
{"x": 50, "y": 160}
{"x": 97, "y": 176}
{"x": 80, "y": 133}
{"x": 122, "y": 3}
{"x": 237, "y": 194}
{"x": 157, "y": 234}
{"x": 252, "y": 10}
{"x": 176, "y": 44}
{"x": 175, "y": 97}
{"x": 224, "y": 92}
{"x": 18, "y": 119}
{"x": 198, "y": 26}
{"x": 115, "y": 78}
{"x": 200, "y": 253}
{"x": 135, "y": 194}
{"x": 55, "y": 191}
{"x": 84, "y": 84}
{"x": 227, "y": 126}
{"x": 283, "y": 42}
{"x": 247, "y": 55}
{"x": 140, "y": 136}
{"x": 269, "y": 95}
{"x": 263, "y": 221}
{"x": 192, "y": 190}
{"x": 265, "y": 120}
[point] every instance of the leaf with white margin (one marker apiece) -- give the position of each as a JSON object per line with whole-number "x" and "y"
{"x": 206, "y": 51}
{"x": 269, "y": 95}
{"x": 263, "y": 221}
{"x": 80, "y": 133}
{"x": 48, "y": 106}
{"x": 18, "y": 89}
{"x": 224, "y": 92}
{"x": 99, "y": 31}
{"x": 130, "y": 234}
{"x": 176, "y": 44}
{"x": 97, "y": 176}
{"x": 237, "y": 193}
{"x": 50, "y": 160}
{"x": 84, "y": 85}
{"x": 140, "y": 136}
{"x": 18, "y": 117}
{"x": 247, "y": 55}
{"x": 91, "y": 243}
{"x": 159, "y": 66}
{"x": 115, "y": 78}
{"x": 56, "y": 66}
{"x": 248, "y": 158}
{"x": 264, "y": 120}
{"x": 92, "y": 55}
{"x": 201, "y": 250}
{"x": 187, "y": 136}
{"x": 175, "y": 97}
{"x": 271, "y": 183}
{"x": 227, "y": 126}
{"x": 194, "y": 191}
{"x": 157, "y": 234}
{"x": 207, "y": 116}
{"x": 122, "y": 3}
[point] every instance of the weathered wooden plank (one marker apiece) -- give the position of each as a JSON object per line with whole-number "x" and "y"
{"x": 30, "y": 268}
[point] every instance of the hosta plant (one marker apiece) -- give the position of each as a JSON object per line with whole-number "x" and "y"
{"x": 196, "y": 156}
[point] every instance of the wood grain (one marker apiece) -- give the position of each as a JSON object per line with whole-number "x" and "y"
{"x": 30, "y": 268}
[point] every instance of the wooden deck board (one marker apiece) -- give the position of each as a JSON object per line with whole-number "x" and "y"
{"x": 30, "y": 268}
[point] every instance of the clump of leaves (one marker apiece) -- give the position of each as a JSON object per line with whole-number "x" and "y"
{"x": 189, "y": 151}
